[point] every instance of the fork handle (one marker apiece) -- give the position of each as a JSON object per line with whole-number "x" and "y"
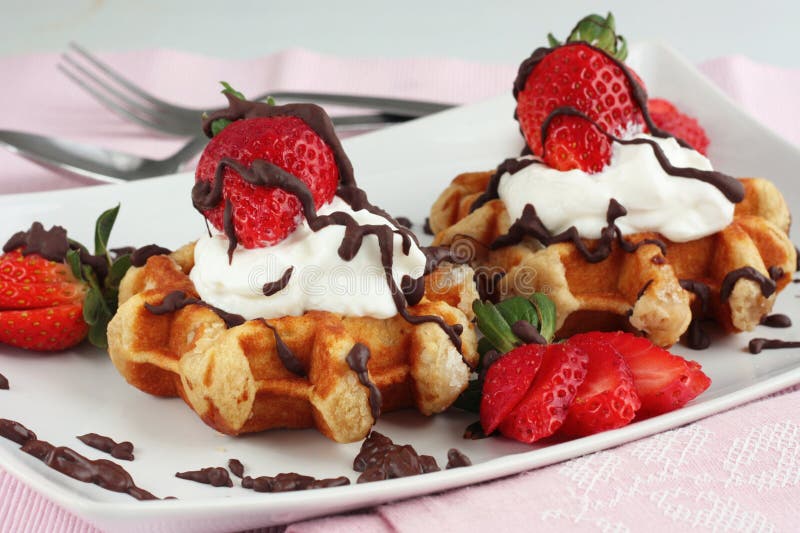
{"x": 392, "y": 106}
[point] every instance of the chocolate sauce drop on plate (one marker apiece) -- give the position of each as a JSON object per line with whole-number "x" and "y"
{"x": 122, "y": 450}
{"x": 457, "y": 459}
{"x": 380, "y": 458}
{"x": 756, "y": 345}
{"x": 215, "y": 476}
{"x": 776, "y": 321}
{"x": 4, "y": 385}
{"x": 236, "y": 466}
{"x": 291, "y": 481}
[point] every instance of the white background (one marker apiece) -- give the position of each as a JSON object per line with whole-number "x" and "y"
{"x": 489, "y": 31}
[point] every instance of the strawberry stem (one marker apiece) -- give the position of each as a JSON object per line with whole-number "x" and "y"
{"x": 598, "y": 31}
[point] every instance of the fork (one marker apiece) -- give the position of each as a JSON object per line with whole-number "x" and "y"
{"x": 131, "y": 102}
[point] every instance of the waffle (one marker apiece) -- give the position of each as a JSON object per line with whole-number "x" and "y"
{"x": 646, "y": 290}
{"x": 234, "y": 378}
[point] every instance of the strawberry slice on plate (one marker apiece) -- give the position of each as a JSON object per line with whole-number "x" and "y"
{"x": 668, "y": 118}
{"x": 607, "y": 399}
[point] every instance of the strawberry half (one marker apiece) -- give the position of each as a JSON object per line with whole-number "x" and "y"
{"x": 44, "y": 329}
{"x": 544, "y": 408}
{"x": 264, "y": 216}
{"x": 587, "y": 80}
{"x": 607, "y": 398}
{"x": 506, "y": 383}
{"x": 668, "y": 118}
{"x": 664, "y": 381}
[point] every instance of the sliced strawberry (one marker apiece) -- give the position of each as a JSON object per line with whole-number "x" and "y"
{"x": 607, "y": 398}
{"x": 264, "y": 216}
{"x": 664, "y": 381}
{"x": 506, "y": 383}
{"x": 667, "y": 117}
{"x": 32, "y": 269}
{"x": 575, "y": 143}
{"x": 543, "y": 409}
{"x": 48, "y": 329}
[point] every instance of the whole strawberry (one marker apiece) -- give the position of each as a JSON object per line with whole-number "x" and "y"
{"x": 667, "y": 117}
{"x": 264, "y": 216}
{"x": 566, "y": 93}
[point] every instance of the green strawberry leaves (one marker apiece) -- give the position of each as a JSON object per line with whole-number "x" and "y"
{"x": 219, "y": 124}
{"x": 497, "y": 323}
{"x": 102, "y": 275}
{"x": 599, "y": 32}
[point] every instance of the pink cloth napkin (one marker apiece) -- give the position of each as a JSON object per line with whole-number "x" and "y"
{"x": 738, "y": 470}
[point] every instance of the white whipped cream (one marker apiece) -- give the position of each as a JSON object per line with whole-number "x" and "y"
{"x": 321, "y": 280}
{"x": 681, "y": 209}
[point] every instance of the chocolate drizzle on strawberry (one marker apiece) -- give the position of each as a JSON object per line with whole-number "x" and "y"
{"x": 357, "y": 360}
{"x": 261, "y": 173}
{"x": 105, "y": 474}
{"x": 271, "y": 287}
{"x": 313, "y": 115}
{"x": 177, "y": 300}
{"x": 766, "y": 284}
{"x": 51, "y": 244}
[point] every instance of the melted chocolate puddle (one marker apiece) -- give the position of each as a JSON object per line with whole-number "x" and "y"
{"x": 380, "y": 458}
{"x": 776, "y": 321}
{"x": 457, "y": 459}
{"x": 756, "y": 345}
{"x": 357, "y": 361}
{"x": 122, "y": 450}
{"x": 105, "y": 474}
{"x": 215, "y": 476}
{"x": 3, "y": 382}
{"x": 236, "y": 466}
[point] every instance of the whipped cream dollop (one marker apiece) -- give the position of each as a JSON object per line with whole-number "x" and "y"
{"x": 320, "y": 280}
{"x": 681, "y": 209}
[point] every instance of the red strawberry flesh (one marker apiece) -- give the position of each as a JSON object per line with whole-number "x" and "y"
{"x": 506, "y": 383}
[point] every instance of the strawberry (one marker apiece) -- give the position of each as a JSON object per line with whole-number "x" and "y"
{"x": 668, "y": 118}
{"x": 506, "y": 383}
{"x": 607, "y": 398}
{"x": 582, "y": 78}
{"x": 265, "y": 216}
{"x": 44, "y": 329}
{"x": 20, "y": 268}
{"x": 664, "y": 381}
{"x": 544, "y": 408}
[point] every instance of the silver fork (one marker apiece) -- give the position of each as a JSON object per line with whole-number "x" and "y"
{"x": 131, "y": 102}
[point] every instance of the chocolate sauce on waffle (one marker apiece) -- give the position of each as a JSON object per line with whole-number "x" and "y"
{"x": 105, "y": 474}
{"x": 380, "y": 458}
{"x": 216, "y": 476}
{"x": 177, "y": 300}
{"x": 766, "y": 284}
{"x": 775, "y": 273}
{"x": 290, "y": 361}
{"x": 700, "y": 290}
{"x": 756, "y": 345}
{"x": 357, "y": 360}
{"x": 776, "y": 320}
{"x": 121, "y": 450}
{"x": 140, "y": 256}
{"x": 509, "y": 166}
{"x": 279, "y": 284}
{"x": 427, "y": 227}
{"x": 291, "y": 482}
{"x": 3, "y": 382}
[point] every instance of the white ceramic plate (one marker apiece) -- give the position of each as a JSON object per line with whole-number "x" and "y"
{"x": 403, "y": 168}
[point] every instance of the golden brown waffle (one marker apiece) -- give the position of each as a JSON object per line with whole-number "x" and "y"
{"x": 640, "y": 290}
{"x": 234, "y": 379}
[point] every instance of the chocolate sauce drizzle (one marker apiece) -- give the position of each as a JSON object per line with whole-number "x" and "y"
{"x": 726, "y": 288}
{"x": 700, "y": 290}
{"x": 756, "y": 345}
{"x": 105, "y": 474}
{"x": 509, "y": 166}
{"x": 475, "y": 431}
{"x": 380, "y": 458}
{"x": 215, "y": 476}
{"x": 291, "y": 481}
{"x": 288, "y": 358}
{"x": 177, "y": 300}
{"x": 775, "y": 272}
{"x": 3, "y": 382}
{"x": 236, "y": 466}
{"x": 206, "y": 195}
{"x": 404, "y": 221}
{"x": 696, "y": 336}
{"x": 776, "y": 321}
{"x": 51, "y": 244}
{"x": 139, "y": 256}
{"x": 279, "y": 284}
{"x": 122, "y": 450}
{"x": 357, "y": 361}
{"x": 427, "y": 227}
{"x": 457, "y": 459}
